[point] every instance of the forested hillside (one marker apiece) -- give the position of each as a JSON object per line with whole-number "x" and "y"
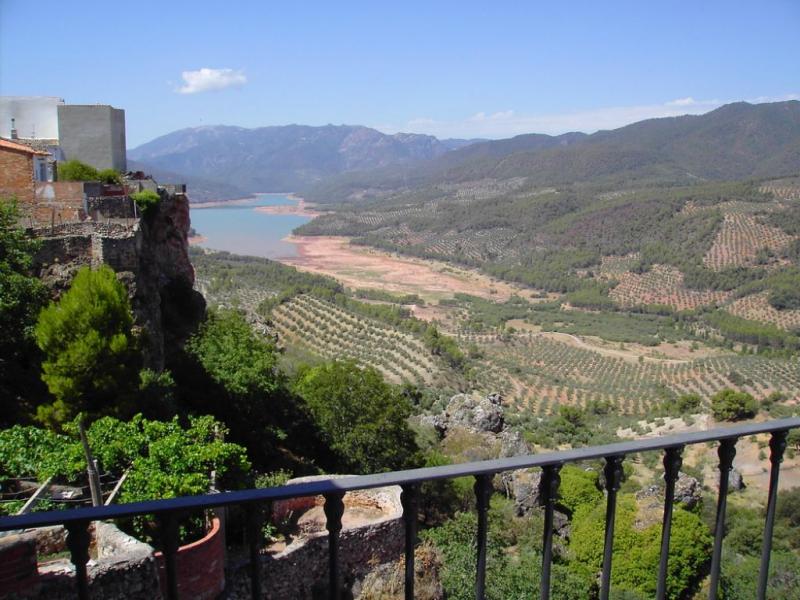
{"x": 736, "y": 141}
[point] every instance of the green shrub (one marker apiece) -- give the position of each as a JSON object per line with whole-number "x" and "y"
{"x": 110, "y": 176}
{"x": 75, "y": 170}
{"x": 730, "y": 405}
{"x": 146, "y": 200}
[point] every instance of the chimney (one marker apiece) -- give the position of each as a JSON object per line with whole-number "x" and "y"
{"x": 14, "y": 135}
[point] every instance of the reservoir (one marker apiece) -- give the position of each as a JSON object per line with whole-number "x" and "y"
{"x": 236, "y": 227}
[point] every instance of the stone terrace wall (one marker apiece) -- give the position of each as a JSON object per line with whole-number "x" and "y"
{"x": 121, "y": 568}
{"x": 301, "y": 569}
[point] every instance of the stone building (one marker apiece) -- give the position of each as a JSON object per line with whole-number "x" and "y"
{"x": 93, "y": 134}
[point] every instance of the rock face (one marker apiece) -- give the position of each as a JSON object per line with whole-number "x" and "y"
{"x": 482, "y": 415}
{"x": 735, "y": 480}
{"x": 149, "y": 255}
{"x": 483, "y": 418}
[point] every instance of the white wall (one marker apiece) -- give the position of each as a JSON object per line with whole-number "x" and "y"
{"x": 36, "y": 116}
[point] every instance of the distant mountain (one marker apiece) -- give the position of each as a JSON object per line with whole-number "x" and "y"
{"x": 735, "y": 141}
{"x": 287, "y": 158}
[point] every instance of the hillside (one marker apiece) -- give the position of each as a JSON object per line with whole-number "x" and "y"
{"x": 735, "y": 141}
{"x": 286, "y": 158}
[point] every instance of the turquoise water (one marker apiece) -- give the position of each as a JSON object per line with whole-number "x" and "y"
{"x": 239, "y": 229}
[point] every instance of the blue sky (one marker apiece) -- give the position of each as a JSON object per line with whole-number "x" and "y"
{"x": 452, "y": 69}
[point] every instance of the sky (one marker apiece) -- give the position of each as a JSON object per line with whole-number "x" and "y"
{"x": 451, "y": 69}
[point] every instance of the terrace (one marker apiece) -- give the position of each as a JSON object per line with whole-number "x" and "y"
{"x": 257, "y": 503}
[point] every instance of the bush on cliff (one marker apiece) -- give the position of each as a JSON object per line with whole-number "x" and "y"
{"x": 146, "y": 201}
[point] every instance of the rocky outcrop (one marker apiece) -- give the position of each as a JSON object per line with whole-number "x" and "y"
{"x": 480, "y": 421}
{"x": 735, "y": 480}
{"x": 688, "y": 492}
{"x": 149, "y": 255}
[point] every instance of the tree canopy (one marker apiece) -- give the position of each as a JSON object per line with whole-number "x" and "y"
{"x": 363, "y": 417}
{"x": 90, "y": 353}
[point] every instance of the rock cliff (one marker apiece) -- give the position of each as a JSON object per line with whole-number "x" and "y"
{"x": 149, "y": 255}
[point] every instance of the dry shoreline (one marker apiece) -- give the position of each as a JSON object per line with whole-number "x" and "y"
{"x": 363, "y": 267}
{"x": 301, "y": 209}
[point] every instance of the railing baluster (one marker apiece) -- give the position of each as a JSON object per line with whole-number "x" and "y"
{"x": 613, "y": 473}
{"x": 548, "y": 493}
{"x": 78, "y": 546}
{"x": 777, "y": 446}
{"x": 334, "y": 509}
{"x": 255, "y": 522}
{"x": 672, "y": 466}
{"x": 483, "y": 489}
{"x": 726, "y": 453}
{"x": 169, "y": 544}
{"x": 410, "y": 501}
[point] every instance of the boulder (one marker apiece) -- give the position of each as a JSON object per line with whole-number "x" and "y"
{"x": 484, "y": 415}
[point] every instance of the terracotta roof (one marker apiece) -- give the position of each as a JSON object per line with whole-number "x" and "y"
{"x": 9, "y": 145}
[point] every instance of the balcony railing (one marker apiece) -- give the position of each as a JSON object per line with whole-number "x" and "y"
{"x": 255, "y": 501}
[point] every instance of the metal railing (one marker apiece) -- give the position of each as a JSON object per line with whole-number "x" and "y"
{"x": 255, "y": 501}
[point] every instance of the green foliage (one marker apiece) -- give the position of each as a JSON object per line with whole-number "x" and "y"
{"x": 75, "y": 170}
{"x": 146, "y": 201}
{"x": 579, "y": 488}
{"x": 509, "y": 575}
{"x": 234, "y": 356}
{"x": 91, "y": 358}
{"x": 110, "y": 176}
{"x": 444, "y": 346}
{"x": 636, "y": 551}
{"x": 364, "y": 418}
{"x": 730, "y": 405}
{"x": 740, "y": 575}
{"x": 21, "y": 297}
{"x": 595, "y": 298}
{"x": 231, "y": 372}
{"x": 764, "y": 335}
{"x": 165, "y": 459}
{"x": 384, "y": 296}
{"x": 785, "y": 292}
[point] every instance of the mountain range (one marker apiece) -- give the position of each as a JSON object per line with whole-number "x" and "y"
{"x": 285, "y": 158}
{"x": 736, "y": 141}
{"x": 341, "y": 163}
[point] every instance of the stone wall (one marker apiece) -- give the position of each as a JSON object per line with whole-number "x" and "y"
{"x": 120, "y": 567}
{"x": 301, "y": 569}
{"x": 59, "y": 202}
{"x": 19, "y": 577}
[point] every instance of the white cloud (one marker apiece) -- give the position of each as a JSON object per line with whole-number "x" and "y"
{"x": 509, "y": 123}
{"x": 682, "y": 102}
{"x": 207, "y": 80}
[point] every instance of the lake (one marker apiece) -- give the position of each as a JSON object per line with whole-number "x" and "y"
{"x": 239, "y": 229}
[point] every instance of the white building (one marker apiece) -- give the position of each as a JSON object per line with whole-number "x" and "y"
{"x": 35, "y": 117}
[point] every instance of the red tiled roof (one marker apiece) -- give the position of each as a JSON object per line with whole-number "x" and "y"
{"x": 9, "y": 145}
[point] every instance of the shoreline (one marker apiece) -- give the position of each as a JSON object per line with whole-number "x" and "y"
{"x": 366, "y": 267}
{"x": 301, "y": 209}
{"x": 237, "y": 201}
